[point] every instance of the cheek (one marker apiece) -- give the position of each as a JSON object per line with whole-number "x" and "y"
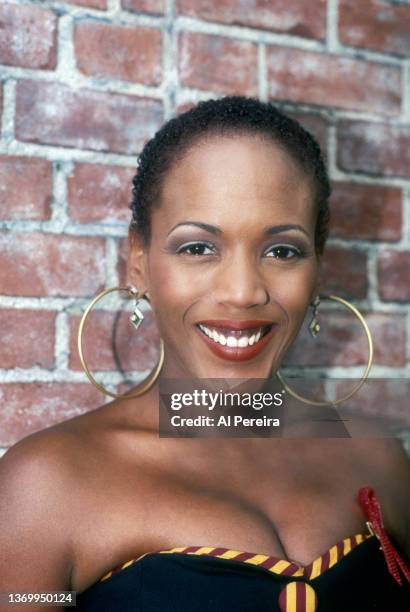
{"x": 295, "y": 292}
{"x": 173, "y": 289}
{"x": 171, "y": 281}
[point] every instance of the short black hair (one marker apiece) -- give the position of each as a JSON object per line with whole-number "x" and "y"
{"x": 226, "y": 115}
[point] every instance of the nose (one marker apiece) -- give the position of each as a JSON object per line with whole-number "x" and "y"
{"x": 240, "y": 284}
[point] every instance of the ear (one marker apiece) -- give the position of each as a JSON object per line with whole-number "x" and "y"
{"x": 137, "y": 263}
{"x": 318, "y": 288}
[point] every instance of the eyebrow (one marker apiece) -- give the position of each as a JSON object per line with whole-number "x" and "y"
{"x": 269, "y": 231}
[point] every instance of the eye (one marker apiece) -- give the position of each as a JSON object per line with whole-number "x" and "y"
{"x": 282, "y": 249}
{"x": 196, "y": 249}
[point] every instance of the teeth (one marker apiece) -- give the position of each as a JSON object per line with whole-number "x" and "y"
{"x": 231, "y": 341}
{"x": 244, "y": 341}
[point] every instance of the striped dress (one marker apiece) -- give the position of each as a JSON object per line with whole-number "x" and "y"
{"x": 361, "y": 573}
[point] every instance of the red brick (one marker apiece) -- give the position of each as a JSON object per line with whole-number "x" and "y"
{"x": 155, "y": 7}
{"x": 35, "y": 264}
{"x": 394, "y": 275}
{"x": 131, "y": 53}
{"x": 295, "y": 18}
{"x": 30, "y": 407}
{"x": 342, "y": 340}
{"x": 100, "y": 193}
{"x": 386, "y": 398}
{"x": 218, "y": 64}
{"x": 122, "y": 261}
{"x": 50, "y": 113}
{"x": 97, "y": 4}
{"x": 333, "y": 80}
{"x": 181, "y": 105}
{"x": 388, "y": 330}
{"x": 375, "y": 24}
{"x": 314, "y": 124}
{"x": 25, "y": 188}
{"x": 366, "y": 212}
{"x": 345, "y": 272}
{"x": 27, "y": 36}
{"x": 111, "y": 342}
{"x": 27, "y": 338}
{"x": 374, "y": 148}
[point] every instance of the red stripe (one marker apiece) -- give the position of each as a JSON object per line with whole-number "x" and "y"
{"x": 191, "y": 549}
{"x": 270, "y": 562}
{"x": 300, "y": 597}
{"x": 217, "y": 551}
{"x": 289, "y": 571}
{"x": 243, "y": 556}
{"x": 307, "y": 570}
{"x": 325, "y": 562}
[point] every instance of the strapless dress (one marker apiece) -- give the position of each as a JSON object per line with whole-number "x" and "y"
{"x": 361, "y": 573}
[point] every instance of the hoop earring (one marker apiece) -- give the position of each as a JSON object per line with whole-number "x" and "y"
{"x": 314, "y": 328}
{"x": 136, "y": 319}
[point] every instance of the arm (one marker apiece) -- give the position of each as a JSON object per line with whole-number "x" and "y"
{"x": 34, "y": 528}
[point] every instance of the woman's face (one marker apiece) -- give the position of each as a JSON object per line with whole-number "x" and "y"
{"x": 232, "y": 250}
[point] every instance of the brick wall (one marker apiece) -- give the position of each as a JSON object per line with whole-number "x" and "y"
{"x": 85, "y": 82}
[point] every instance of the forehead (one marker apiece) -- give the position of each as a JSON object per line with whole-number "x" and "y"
{"x": 236, "y": 178}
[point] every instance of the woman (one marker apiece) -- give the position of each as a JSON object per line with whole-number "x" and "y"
{"x": 229, "y": 224}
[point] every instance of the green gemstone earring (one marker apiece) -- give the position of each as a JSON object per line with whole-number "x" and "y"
{"x": 314, "y": 326}
{"x": 137, "y": 316}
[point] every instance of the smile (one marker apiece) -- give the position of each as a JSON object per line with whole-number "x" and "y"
{"x": 235, "y": 338}
{"x": 236, "y": 341}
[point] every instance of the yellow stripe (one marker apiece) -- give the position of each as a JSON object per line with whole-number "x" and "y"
{"x": 291, "y": 597}
{"x": 333, "y": 556}
{"x": 230, "y": 554}
{"x": 299, "y": 572}
{"x": 106, "y": 576}
{"x": 280, "y": 566}
{"x": 347, "y": 546}
{"x": 317, "y": 564}
{"x": 359, "y": 538}
{"x": 205, "y": 550}
{"x": 172, "y": 550}
{"x": 310, "y": 599}
{"x": 257, "y": 559}
{"x": 144, "y": 555}
{"x": 127, "y": 564}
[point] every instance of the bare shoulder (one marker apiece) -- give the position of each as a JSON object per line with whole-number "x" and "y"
{"x": 52, "y": 460}
{"x": 389, "y": 460}
{"x": 51, "y": 484}
{"x": 38, "y": 483}
{"x": 389, "y": 472}
{"x": 35, "y": 539}
{"x": 44, "y": 458}
{"x": 44, "y": 453}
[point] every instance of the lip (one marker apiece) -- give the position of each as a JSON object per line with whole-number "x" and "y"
{"x": 235, "y": 353}
{"x": 235, "y": 325}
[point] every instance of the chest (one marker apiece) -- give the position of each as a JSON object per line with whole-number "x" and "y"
{"x": 290, "y": 510}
